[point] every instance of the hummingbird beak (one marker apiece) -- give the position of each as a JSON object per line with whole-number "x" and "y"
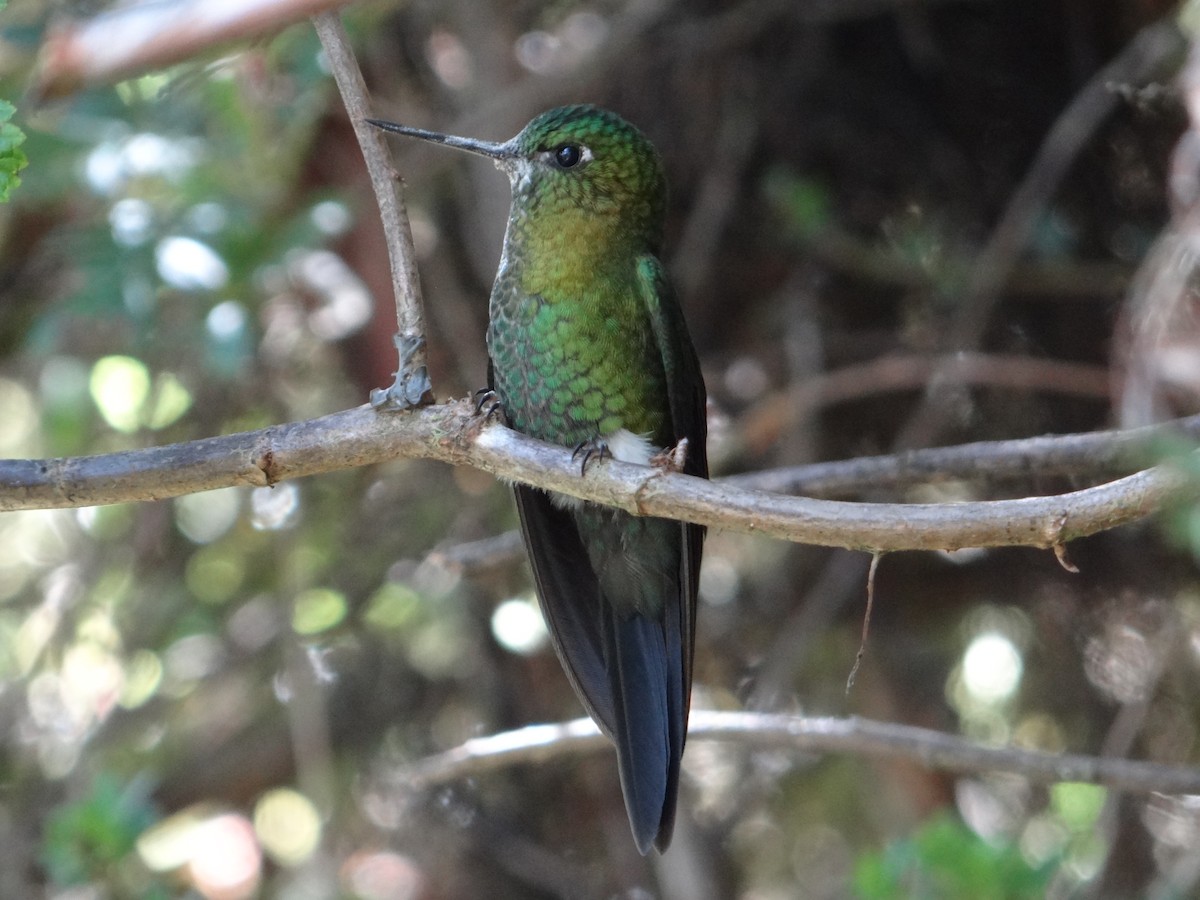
{"x": 501, "y": 153}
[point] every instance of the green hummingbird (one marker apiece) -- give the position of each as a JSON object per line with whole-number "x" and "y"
{"x": 588, "y": 349}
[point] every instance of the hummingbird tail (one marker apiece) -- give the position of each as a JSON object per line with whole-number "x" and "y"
{"x": 650, "y": 722}
{"x": 629, "y": 670}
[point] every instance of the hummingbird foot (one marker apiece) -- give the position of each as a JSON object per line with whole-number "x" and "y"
{"x": 488, "y": 405}
{"x": 672, "y": 459}
{"x": 592, "y": 449}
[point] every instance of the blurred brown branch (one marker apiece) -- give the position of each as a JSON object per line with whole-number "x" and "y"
{"x": 136, "y": 38}
{"x": 1089, "y": 455}
{"x": 453, "y": 433}
{"x": 801, "y": 734}
{"x": 761, "y": 426}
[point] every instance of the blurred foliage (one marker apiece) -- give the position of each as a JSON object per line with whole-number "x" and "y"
{"x": 944, "y": 859}
{"x": 221, "y": 694}
{"x": 12, "y": 159}
{"x": 91, "y": 839}
{"x": 1183, "y": 517}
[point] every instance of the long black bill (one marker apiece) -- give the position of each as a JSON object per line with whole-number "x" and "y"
{"x": 483, "y": 148}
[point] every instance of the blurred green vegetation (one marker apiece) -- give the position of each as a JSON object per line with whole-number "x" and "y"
{"x": 945, "y": 859}
{"x": 12, "y": 158}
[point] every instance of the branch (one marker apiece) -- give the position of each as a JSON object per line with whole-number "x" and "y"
{"x": 1087, "y": 455}
{"x": 453, "y": 433}
{"x": 1091, "y": 455}
{"x": 536, "y": 744}
{"x": 136, "y": 38}
{"x": 412, "y": 386}
{"x": 762, "y": 424}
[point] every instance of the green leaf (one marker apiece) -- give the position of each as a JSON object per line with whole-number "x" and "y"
{"x": 12, "y": 158}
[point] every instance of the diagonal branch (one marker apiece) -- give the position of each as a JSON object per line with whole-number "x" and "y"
{"x": 412, "y": 386}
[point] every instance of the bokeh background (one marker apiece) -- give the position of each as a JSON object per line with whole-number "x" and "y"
{"x": 218, "y": 695}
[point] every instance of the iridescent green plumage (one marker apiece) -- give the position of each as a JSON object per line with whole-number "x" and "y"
{"x": 588, "y": 346}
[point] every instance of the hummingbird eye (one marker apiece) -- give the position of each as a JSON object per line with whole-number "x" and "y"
{"x": 567, "y": 156}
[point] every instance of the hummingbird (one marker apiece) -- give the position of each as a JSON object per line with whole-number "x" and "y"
{"x": 588, "y": 349}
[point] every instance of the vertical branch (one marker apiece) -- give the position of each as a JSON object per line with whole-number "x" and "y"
{"x": 412, "y": 386}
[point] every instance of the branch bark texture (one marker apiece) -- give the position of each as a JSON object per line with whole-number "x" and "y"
{"x": 453, "y": 433}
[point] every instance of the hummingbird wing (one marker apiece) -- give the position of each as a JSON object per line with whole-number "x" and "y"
{"x": 685, "y": 383}
{"x": 689, "y": 419}
{"x": 688, "y": 403}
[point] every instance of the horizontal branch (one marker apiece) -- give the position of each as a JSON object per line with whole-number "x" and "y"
{"x": 1091, "y": 455}
{"x": 452, "y": 433}
{"x": 760, "y": 426}
{"x": 536, "y": 744}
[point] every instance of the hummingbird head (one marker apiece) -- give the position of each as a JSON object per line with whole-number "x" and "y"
{"x": 577, "y": 159}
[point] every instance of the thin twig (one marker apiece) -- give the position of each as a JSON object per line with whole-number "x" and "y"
{"x": 866, "y": 626}
{"x": 412, "y": 386}
{"x": 538, "y": 744}
{"x": 792, "y": 641}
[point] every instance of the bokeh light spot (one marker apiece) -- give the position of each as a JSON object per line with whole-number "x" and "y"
{"x": 226, "y": 861}
{"x": 991, "y": 668}
{"x": 1078, "y": 804}
{"x": 143, "y": 675}
{"x": 190, "y": 265}
{"x": 382, "y": 876}
{"x": 518, "y": 626}
{"x": 119, "y": 386}
{"x": 214, "y": 574}
{"x": 288, "y": 826}
{"x": 392, "y": 607}
{"x": 19, "y": 415}
{"x": 204, "y": 517}
{"x": 331, "y": 218}
{"x": 275, "y": 508}
{"x": 317, "y": 610}
{"x": 226, "y": 321}
{"x": 131, "y": 220}
{"x": 171, "y": 400}
{"x": 719, "y": 580}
